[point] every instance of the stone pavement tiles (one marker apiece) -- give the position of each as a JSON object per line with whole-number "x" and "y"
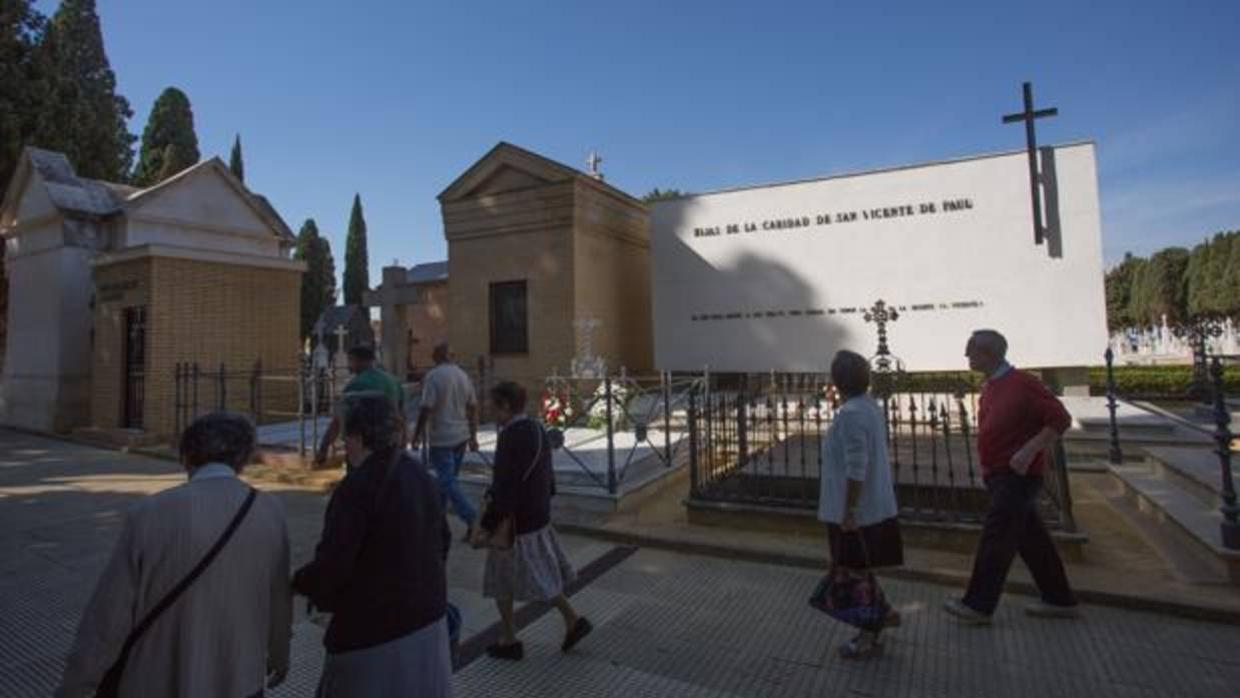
{"x": 61, "y": 507}
{"x": 667, "y": 624}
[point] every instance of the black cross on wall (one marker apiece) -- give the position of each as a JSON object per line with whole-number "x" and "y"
{"x": 1029, "y": 115}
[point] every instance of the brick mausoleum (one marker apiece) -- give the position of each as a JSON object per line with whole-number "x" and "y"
{"x": 111, "y": 286}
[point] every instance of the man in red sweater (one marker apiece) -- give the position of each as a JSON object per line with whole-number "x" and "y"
{"x": 1018, "y": 420}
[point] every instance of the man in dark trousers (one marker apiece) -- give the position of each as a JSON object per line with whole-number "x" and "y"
{"x": 1018, "y": 420}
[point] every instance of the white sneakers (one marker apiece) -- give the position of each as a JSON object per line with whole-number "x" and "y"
{"x": 1040, "y": 609}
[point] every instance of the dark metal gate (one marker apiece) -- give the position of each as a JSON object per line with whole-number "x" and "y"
{"x": 135, "y": 367}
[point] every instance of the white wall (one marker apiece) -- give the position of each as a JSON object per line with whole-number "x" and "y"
{"x": 1052, "y": 309}
{"x": 47, "y": 358}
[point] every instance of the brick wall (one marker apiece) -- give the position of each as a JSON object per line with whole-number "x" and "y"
{"x": 208, "y": 312}
{"x": 524, "y": 235}
{"x": 611, "y": 252}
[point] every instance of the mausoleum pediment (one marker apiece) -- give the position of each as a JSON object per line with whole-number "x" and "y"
{"x": 207, "y": 196}
{"x": 506, "y": 168}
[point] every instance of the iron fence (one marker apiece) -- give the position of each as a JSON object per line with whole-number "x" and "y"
{"x": 616, "y": 428}
{"x": 762, "y": 445}
{"x": 1220, "y": 432}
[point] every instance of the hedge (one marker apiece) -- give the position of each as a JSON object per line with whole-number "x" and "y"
{"x": 1164, "y": 381}
{"x": 1130, "y": 381}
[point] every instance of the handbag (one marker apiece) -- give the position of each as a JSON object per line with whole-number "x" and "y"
{"x": 851, "y": 596}
{"x": 503, "y": 535}
{"x": 109, "y": 686}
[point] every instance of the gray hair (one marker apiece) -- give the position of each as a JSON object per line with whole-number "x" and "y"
{"x": 372, "y": 418}
{"x": 850, "y": 372}
{"x": 219, "y": 437}
{"x": 991, "y": 341}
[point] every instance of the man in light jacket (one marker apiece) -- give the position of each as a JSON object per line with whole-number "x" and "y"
{"x": 228, "y": 633}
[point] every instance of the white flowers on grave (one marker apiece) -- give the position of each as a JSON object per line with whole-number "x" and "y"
{"x": 598, "y": 405}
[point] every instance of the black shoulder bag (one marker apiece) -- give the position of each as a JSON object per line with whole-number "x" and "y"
{"x": 109, "y": 687}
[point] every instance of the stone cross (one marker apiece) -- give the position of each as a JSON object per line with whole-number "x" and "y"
{"x": 341, "y": 332}
{"x": 593, "y": 161}
{"x": 1031, "y": 143}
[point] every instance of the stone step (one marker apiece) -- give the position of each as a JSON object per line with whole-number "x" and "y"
{"x": 1166, "y": 498}
{"x": 1195, "y": 469}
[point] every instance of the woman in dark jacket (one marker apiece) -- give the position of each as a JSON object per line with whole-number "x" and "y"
{"x": 534, "y": 568}
{"x": 379, "y": 568}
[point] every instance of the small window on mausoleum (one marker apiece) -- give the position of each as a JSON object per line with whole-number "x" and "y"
{"x": 509, "y": 320}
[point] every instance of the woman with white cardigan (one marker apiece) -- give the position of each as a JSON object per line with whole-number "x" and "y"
{"x": 857, "y": 500}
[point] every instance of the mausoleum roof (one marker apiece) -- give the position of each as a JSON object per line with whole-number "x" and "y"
{"x": 71, "y": 193}
{"x": 543, "y": 168}
{"x": 337, "y": 315}
{"x": 79, "y": 196}
{"x": 430, "y": 272}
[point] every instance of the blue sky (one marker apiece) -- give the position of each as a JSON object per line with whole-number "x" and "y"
{"x": 395, "y": 99}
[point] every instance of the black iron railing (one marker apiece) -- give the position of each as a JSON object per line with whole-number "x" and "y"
{"x": 762, "y": 444}
{"x": 614, "y": 427}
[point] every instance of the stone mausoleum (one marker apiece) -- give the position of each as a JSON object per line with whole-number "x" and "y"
{"x": 537, "y": 251}
{"x": 111, "y": 286}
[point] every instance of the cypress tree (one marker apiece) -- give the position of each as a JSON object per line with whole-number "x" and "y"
{"x": 356, "y": 258}
{"x": 81, "y": 115}
{"x": 234, "y": 160}
{"x": 20, "y": 83}
{"x": 169, "y": 134}
{"x": 318, "y": 284}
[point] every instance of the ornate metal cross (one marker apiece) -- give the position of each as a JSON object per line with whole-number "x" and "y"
{"x": 1031, "y": 143}
{"x": 880, "y": 315}
{"x": 1198, "y": 332}
{"x": 593, "y": 161}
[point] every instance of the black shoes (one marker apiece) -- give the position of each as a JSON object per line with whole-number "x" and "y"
{"x": 579, "y": 630}
{"x": 514, "y": 652}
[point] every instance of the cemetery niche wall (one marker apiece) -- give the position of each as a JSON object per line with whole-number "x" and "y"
{"x": 779, "y": 277}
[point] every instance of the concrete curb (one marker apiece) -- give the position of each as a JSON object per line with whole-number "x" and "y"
{"x": 1200, "y": 612}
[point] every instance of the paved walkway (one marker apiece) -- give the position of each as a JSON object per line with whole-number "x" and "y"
{"x": 667, "y": 624}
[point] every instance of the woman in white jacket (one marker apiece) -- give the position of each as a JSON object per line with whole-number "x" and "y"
{"x": 857, "y": 500}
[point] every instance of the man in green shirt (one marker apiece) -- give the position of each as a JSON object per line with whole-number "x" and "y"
{"x": 367, "y": 380}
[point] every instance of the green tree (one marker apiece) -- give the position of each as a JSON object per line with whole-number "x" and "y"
{"x": 1138, "y": 310}
{"x": 80, "y": 113}
{"x": 21, "y": 93}
{"x": 356, "y": 258}
{"x": 1195, "y": 279}
{"x": 1217, "y": 301}
{"x": 1229, "y": 289}
{"x": 234, "y": 160}
{"x": 1119, "y": 282}
{"x": 20, "y": 82}
{"x": 174, "y": 160}
{"x": 318, "y": 284}
{"x": 169, "y": 143}
{"x": 1161, "y": 288}
{"x": 657, "y": 194}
